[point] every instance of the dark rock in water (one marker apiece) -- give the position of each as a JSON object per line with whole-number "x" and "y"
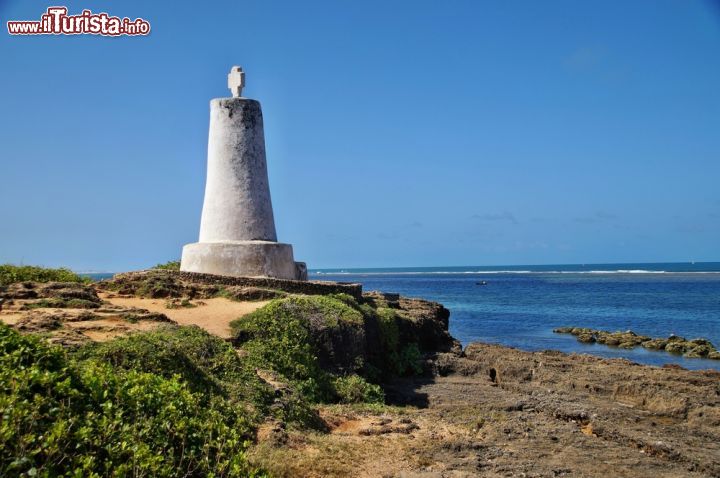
{"x": 655, "y": 344}
{"x": 702, "y": 342}
{"x": 607, "y": 338}
{"x": 586, "y": 338}
{"x": 696, "y": 348}
{"x": 676, "y": 347}
{"x": 700, "y": 351}
{"x": 676, "y": 338}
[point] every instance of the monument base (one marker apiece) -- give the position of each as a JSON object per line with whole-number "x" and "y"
{"x": 243, "y": 259}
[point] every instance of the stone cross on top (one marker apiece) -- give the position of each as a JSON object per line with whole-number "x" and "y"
{"x": 236, "y": 81}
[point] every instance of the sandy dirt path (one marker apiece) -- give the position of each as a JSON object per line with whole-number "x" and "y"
{"x": 213, "y": 315}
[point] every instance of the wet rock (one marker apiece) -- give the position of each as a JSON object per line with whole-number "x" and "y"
{"x": 696, "y": 348}
{"x": 676, "y": 338}
{"x": 700, "y": 351}
{"x": 676, "y": 347}
{"x": 607, "y": 338}
{"x": 655, "y": 344}
{"x": 586, "y": 338}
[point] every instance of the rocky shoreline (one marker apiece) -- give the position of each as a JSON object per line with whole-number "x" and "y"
{"x": 485, "y": 410}
{"x": 694, "y": 348}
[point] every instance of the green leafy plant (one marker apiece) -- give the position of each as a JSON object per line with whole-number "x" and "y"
{"x": 61, "y": 416}
{"x": 170, "y": 266}
{"x": 355, "y": 389}
{"x": 279, "y": 336}
{"x": 10, "y": 274}
{"x": 276, "y": 337}
{"x": 205, "y": 362}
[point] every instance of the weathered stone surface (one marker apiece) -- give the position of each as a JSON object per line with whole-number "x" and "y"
{"x": 696, "y": 348}
{"x": 425, "y": 322}
{"x": 237, "y": 229}
{"x": 586, "y": 338}
{"x": 655, "y": 344}
{"x": 246, "y": 258}
{"x": 253, "y": 293}
{"x": 33, "y": 295}
{"x": 237, "y": 204}
{"x": 193, "y": 285}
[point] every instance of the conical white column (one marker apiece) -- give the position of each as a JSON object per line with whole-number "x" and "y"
{"x": 237, "y": 203}
{"x": 237, "y": 229}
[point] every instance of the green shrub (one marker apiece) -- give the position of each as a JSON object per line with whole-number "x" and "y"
{"x": 395, "y": 358}
{"x": 207, "y": 363}
{"x": 409, "y": 360}
{"x": 10, "y": 274}
{"x": 278, "y": 336}
{"x": 170, "y": 266}
{"x": 355, "y": 389}
{"x": 63, "y": 417}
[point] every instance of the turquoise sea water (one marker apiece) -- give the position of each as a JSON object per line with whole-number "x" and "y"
{"x": 520, "y": 305}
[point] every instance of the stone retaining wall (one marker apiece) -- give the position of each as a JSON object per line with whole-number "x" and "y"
{"x": 293, "y": 286}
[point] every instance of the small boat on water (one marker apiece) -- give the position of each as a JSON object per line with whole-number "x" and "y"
{"x": 482, "y": 282}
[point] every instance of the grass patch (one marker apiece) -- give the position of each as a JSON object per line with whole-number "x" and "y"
{"x": 10, "y": 274}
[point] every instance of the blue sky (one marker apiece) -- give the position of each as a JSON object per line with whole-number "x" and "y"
{"x": 398, "y": 133}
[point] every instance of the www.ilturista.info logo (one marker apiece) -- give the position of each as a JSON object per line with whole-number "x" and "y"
{"x": 56, "y": 21}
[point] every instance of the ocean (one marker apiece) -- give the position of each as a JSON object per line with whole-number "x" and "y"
{"x": 520, "y": 305}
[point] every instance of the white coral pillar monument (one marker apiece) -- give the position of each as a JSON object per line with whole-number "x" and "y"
{"x": 237, "y": 229}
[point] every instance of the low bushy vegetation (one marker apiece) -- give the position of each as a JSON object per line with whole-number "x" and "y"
{"x": 61, "y": 303}
{"x": 179, "y": 401}
{"x": 87, "y": 417}
{"x": 282, "y": 335}
{"x": 170, "y": 266}
{"x": 206, "y": 363}
{"x": 10, "y": 274}
{"x": 355, "y": 389}
{"x": 277, "y": 336}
